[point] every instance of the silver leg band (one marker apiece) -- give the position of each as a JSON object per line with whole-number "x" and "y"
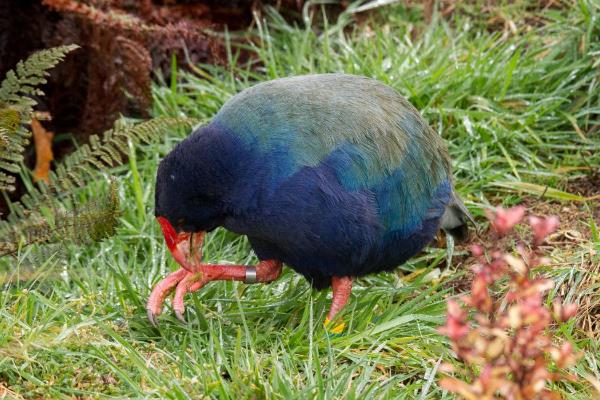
{"x": 250, "y": 275}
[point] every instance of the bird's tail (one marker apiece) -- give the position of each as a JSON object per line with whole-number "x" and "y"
{"x": 455, "y": 219}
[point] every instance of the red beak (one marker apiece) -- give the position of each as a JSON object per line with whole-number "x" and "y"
{"x": 185, "y": 247}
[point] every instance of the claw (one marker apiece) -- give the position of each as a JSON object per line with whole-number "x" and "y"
{"x": 152, "y": 318}
{"x": 180, "y": 317}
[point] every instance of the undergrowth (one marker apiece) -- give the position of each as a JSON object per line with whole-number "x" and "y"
{"x": 519, "y": 111}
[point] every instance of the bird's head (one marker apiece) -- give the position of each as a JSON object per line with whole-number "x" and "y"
{"x": 190, "y": 191}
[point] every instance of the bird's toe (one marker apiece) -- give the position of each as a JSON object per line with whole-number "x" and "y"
{"x": 160, "y": 292}
{"x": 190, "y": 283}
{"x": 152, "y": 318}
{"x": 180, "y": 317}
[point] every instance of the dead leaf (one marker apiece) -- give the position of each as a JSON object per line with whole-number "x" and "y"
{"x": 43, "y": 151}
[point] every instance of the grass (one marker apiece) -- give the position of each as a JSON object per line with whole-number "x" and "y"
{"x": 520, "y": 115}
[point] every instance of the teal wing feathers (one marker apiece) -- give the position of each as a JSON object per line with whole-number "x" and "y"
{"x": 372, "y": 135}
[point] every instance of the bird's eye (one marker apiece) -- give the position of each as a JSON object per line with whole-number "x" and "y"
{"x": 181, "y": 222}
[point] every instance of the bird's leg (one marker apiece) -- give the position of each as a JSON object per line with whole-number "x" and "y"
{"x": 342, "y": 286}
{"x": 264, "y": 271}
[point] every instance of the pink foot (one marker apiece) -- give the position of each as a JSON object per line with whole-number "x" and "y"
{"x": 190, "y": 283}
{"x": 160, "y": 292}
{"x": 184, "y": 281}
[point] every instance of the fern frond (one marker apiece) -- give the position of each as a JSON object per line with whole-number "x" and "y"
{"x": 16, "y": 107}
{"x": 93, "y": 222}
{"x": 51, "y": 213}
{"x": 41, "y": 217}
{"x": 23, "y": 82}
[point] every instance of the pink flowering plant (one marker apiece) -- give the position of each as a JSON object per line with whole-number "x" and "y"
{"x": 507, "y": 348}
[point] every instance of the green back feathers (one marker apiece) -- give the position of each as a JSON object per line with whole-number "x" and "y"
{"x": 312, "y": 116}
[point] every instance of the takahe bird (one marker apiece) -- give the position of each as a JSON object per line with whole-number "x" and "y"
{"x": 335, "y": 175}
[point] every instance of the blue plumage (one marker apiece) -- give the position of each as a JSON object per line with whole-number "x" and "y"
{"x": 334, "y": 175}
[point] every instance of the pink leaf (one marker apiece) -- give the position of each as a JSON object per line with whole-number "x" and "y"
{"x": 542, "y": 227}
{"x": 563, "y": 312}
{"x": 504, "y": 220}
{"x": 456, "y": 386}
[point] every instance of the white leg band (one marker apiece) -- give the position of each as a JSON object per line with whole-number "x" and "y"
{"x": 251, "y": 275}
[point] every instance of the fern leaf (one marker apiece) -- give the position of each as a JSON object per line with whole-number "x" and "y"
{"x": 41, "y": 216}
{"x": 94, "y": 221}
{"x": 51, "y": 213}
{"x": 29, "y": 74}
{"x": 7, "y": 181}
{"x": 16, "y": 107}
